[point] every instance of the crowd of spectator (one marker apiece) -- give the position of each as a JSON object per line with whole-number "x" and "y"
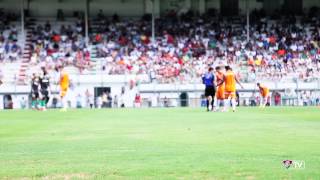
{"x": 60, "y": 45}
{"x": 279, "y": 47}
{"x": 9, "y": 48}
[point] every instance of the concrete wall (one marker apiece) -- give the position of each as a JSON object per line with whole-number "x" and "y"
{"x": 121, "y": 7}
{"x": 253, "y": 4}
{"x": 48, "y": 8}
{"x": 178, "y": 5}
{"x": 215, "y": 4}
{"x": 43, "y": 8}
{"x": 310, "y": 3}
{"x": 109, "y": 7}
{"x": 149, "y": 7}
{"x": 11, "y": 5}
{"x": 153, "y": 92}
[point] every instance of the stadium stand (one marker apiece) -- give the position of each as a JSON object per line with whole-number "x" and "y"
{"x": 10, "y": 48}
{"x": 53, "y": 43}
{"x": 11, "y": 43}
{"x": 281, "y": 47}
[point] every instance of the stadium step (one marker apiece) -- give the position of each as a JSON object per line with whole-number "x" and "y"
{"x": 22, "y": 75}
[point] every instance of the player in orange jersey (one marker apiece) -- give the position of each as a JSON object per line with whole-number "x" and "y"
{"x": 264, "y": 92}
{"x": 64, "y": 86}
{"x": 220, "y": 91}
{"x": 230, "y": 80}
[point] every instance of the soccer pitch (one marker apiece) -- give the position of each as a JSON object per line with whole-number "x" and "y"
{"x": 160, "y": 144}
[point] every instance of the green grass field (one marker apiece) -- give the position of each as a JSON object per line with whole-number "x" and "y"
{"x": 159, "y": 144}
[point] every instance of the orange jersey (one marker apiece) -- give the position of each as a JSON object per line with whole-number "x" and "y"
{"x": 64, "y": 80}
{"x": 230, "y": 82}
{"x": 220, "y": 92}
{"x": 219, "y": 76}
{"x": 264, "y": 91}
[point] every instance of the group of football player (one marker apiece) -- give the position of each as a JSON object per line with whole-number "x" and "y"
{"x": 40, "y": 90}
{"x": 221, "y": 86}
